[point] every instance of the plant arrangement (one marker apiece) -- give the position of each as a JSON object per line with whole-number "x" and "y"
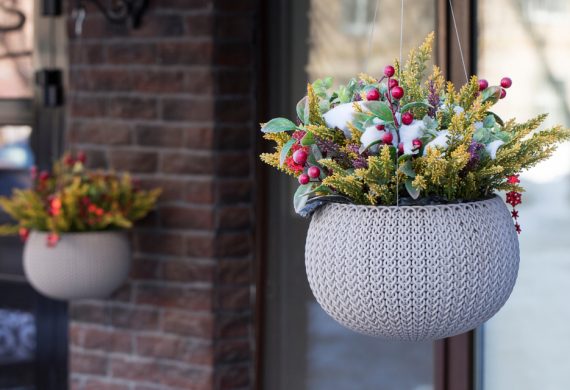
{"x": 406, "y": 139}
{"x": 72, "y": 199}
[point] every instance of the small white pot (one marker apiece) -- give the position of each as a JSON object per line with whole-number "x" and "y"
{"x": 88, "y": 265}
{"x": 412, "y": 272}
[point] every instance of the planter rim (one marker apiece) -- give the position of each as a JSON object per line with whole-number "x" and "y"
{"x": 86, "y": 233}
{"x": 491, "y": 199}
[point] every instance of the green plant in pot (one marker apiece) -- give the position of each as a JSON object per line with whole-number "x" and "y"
{"x": 74, "y": 224}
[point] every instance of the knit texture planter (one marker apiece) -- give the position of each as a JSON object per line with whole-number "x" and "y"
{"x": 81, "y": 266}
{"x": 412, "y": 272}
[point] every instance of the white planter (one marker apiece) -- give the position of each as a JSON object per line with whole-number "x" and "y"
{"x": 412, "y": 272}
{"x": 81, "y": 266}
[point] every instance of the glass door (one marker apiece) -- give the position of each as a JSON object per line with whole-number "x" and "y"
{"x": 304, "y": 349}
{"x": 525, "y": 346}
{"x": 33, "y": 329}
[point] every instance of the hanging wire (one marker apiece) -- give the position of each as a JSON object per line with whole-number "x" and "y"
{"x": 370, "y": 37}
{"x": 458, "y": 41}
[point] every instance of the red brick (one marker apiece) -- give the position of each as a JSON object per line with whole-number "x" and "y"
{"x": 232, "y": 191}
{"x": 185, "y": 53}
{"x": 159, "y": 243}
{"x": 171, "y": 189}
{"x": 90, "y": 312}
{"x": 155, "y": 25}
{"x": 96, "y": 159}
{"x": 175, "y": 348}
{"x": 123, "y": 293}
{"x": 235, "y": 138}
{"x": 183, "y": 5}
{"x": 175, "y": 297}
{"x": 232, "y": 377}
{"x": 235, "y": 27}
{"x": 233, "y": 325}
{"x": 158, "y": 81}
{"x": 132, "y": 53}
{"x": 108, "y": 340}
{"x": 190, "y": 378}
{"x": 234, "y": 298}
{"x": 99, "y": 133}
{"x": 235, "y": 217}
{"x": 88, "y": 106}
{"x": 233, "y": 110}
{"x": 233, "y": 54}
{"x": 199, "y": 82}
{"x": 200, "y": 245}
{"x": 88, "y": 363}
{"x": 134, "y": 161}
{"x": 188, "y": 271}
{"x": 199, "y": 191}
{"x": 235, "y": 271}
{"x": 100, "y": 384}
{"x": 199, "y": 137}
{"x": 199, "y": 25}
{"x": 234, "y": 82}
{"x": 145, "y": 268}
{"x": 158, "y": 135}
{"x": 234, "y": 165}
{"x": 134, "y": 318}
{"x": 133, "y": 108}
{"x": 81, "y": 52}
{"x": 186, "y": 217}
{"x": 187, "y": 109}
{"x": 233, "y": 245}
{"x": 228, "y": 351}
{"x": 188, "y": 324}
{"x": 187, "y": 163}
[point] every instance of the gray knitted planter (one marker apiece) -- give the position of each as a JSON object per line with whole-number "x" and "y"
{"x": 412, "y": 272}
{"x": 81, "y": 266}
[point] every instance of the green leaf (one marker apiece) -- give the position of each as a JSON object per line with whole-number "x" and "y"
{"x": 302, "y": 110}
{"x": 285, "y": 150}
{"x": 413, "y": 191}
{"x": 278, "y": 125}
{"x": 407, "y": 169}
{"x": 381, "y": 110}
{"x": 301, "y": 196}
{"x": 308, "y": 139}
{"x": 497, "y": 118}
{"x": 328, "y": 82}
{"x": 411, "y": 105}
{"x": 491, "y": 94}
{"x": 316, "y": 153}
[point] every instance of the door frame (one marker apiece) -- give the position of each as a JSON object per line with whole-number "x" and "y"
{"x": 454, "y": 358}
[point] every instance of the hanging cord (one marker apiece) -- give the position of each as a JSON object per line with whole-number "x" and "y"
{"x": 458, "y": 41}
{"x": 370, "y": 37}
{"x": 398, "y": 132}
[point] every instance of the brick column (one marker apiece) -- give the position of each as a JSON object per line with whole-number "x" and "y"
{"x": 174, "y": 103}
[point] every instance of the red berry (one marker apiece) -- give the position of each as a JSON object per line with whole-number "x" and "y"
{"x": 304, "y": 179}
{"x": 387, "y": 138}
{"x": 397, "y": 92}
{"x": 81, "y": 157}
{"x": 44, "y": 175}
{"x": 407, "y": 118}
{"x": 389, "y": 71}
{"x": 300, "y": 157}
{"x": 416, "y": 143}
{"x": 392, "y": 83}
{"x": 24, "y": 234}
{"x": 314, "y": 172}
{"x": 372, "y": 94}
{"x": 506, "y": 82}
{"x": 401, "y": 148}
{"x": 483, "y": 84}
{"x": 503, "y": 93}
{"x": 68, "y": 160}
{"x": 33, "y": 172}
{"x": 52, "y": 239}
{"x": 380, "y": 127}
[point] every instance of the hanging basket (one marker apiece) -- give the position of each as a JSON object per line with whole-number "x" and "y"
{"x": 81, "y": 266}
{"x": 412, "y": 272}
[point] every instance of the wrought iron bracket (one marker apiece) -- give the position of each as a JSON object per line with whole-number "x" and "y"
{"x": 119, "y": 11}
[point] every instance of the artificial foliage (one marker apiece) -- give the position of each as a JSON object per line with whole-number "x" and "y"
{"x": 74, "y": 199}
{"x": 406, "y": 137}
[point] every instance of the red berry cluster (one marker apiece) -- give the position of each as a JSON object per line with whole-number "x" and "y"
{"x": 506, "y": 83}
{"x": 298, "y": 161}
{"x": 514, "y": 198}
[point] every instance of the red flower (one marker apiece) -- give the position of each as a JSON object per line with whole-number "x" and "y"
{"x": 55, "y": 206}
{"x": 24, "y": 233}
{"x": 513, "y": 179}
{"x": 515, "y": 214}
{"x": 52, "y": 239}
{"x": 518, "y": 228}
{"x": 292, "y": 165}
{"x": 299, "y": 134}
{"x": 514, "y": 198}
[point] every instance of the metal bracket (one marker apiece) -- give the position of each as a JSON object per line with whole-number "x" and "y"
{"x": 120, "y": 11}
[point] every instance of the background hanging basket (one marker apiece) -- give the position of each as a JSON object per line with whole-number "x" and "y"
{"x": 86, "y": 265}
{"x": 412, "y": 272}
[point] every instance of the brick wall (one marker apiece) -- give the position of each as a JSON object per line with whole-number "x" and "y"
{"x": 172, "y": 102}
